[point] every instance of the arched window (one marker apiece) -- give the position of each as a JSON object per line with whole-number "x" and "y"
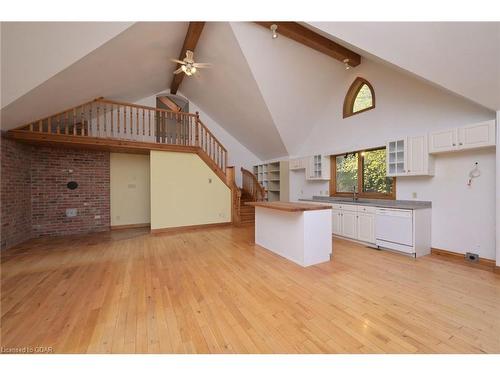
{"x": 360, "y": 97}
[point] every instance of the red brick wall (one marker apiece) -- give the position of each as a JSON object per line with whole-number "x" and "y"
{"x": 50, "y": 197}
{"x": 15, "y": 192}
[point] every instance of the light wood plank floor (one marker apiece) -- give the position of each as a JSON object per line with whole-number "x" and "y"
{"x": 213, "y": 291}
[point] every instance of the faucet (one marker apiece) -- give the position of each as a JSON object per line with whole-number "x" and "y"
{"x": 354, "y": 196}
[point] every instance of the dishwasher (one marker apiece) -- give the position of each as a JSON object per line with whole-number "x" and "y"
{"x": 394, "y": 229}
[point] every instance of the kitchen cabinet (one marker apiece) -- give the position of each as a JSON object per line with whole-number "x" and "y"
{"x": 349, "y": 224}
{"x": 466, "y": 137}
{"x": 318, "y": 168}
{"x": 354, "y": 221}
{"x": 337, "y": 222}
{"x": 366, "y": 227}
{"x": 297, "y": 164}
{"x": 409, "y": 156}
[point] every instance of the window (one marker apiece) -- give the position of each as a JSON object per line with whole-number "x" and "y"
{"x": 360, "y": 97}
{"x": 364, "y": 171}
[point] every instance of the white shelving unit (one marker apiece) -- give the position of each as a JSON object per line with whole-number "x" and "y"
{"x": 274, "y": 177}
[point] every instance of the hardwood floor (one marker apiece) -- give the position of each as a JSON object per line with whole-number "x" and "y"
{"x": 213, "y": 291}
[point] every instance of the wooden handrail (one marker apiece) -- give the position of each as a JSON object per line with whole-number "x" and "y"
{"x": 252, "y": 187}
{"x": 104, "y": 118}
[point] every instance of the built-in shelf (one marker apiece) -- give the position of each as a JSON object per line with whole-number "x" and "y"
{"x": 274, "y": 177}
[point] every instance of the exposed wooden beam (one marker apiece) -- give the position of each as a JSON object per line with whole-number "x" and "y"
{"x": 192, "y": 36}
{"x": 313, "y": 40}
{"x": 169, "y": 103}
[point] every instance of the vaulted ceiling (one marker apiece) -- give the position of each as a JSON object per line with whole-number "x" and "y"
{"x": 267, "y": 93}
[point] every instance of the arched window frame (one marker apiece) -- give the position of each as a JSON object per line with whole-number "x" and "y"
{"x": 351, "y": 95}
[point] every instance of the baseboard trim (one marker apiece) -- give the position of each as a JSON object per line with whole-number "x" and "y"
{"x": 130, "y": 226}
{"x": 446, "y": 253}
{"x": 189, "y": 228}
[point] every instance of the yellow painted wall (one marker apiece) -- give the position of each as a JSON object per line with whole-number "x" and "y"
{"x": 185, "y": 191}
{"x": 130, "y": 189}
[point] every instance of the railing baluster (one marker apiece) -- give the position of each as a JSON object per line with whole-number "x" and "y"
{"x": 98, "y": 133}
{"x": 149, "y": 122}
{"x": 137, "y": 121}
{"x": 131, "y": 124}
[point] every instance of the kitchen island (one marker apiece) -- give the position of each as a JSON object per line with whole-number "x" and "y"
{"x": 300, "y": 232}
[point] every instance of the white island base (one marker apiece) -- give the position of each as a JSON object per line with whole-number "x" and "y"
{"x": 299, "y": 232}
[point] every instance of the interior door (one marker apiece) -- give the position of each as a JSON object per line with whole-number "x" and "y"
{"x": 349, "y": 224}
{"x": 337, "y": 222}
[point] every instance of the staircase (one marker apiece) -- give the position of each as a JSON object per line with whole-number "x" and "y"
{"x": 252, "y": 191}
{"x": 247, "y": 213}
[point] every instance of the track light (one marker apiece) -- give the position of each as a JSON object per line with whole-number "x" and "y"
{"x": 346, "y": 64}
{"x": 274, "y": 28}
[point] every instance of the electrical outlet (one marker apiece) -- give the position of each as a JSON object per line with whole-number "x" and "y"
{"x": 414, "y": 195}
{"x": 471, "y": 257}
{"x": 209, "y": 180}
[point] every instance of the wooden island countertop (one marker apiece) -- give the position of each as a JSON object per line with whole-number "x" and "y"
{"x": 290, "y": 206}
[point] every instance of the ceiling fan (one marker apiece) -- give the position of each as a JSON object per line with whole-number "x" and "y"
{"x": 188, "y": 66}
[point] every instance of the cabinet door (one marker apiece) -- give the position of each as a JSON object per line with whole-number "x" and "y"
{"x": 443, "y": 141}
{"x": 417, "y": 156}
{"x": 366, "y": 227}
{"x": 396, "y": 158}
{"x": 477, "y": 135}
{"x": 349, "y": 224}
{"x": 337, "y": 222}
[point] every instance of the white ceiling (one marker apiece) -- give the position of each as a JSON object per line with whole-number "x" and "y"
{"x": 129, "y": 67}
{"x": 463, "y": 57}
{"x": 295, "y": 81}
{"x": 229, "y": 94}
{"x": 32, "y": 52}
{"x": 268, "y": 94}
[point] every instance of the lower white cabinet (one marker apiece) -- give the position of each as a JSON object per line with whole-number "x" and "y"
{"x": 337, "y": 222}
{"x": 366, "y": 227}
{"x": 349, "y": 224}
{"x": 353, "y": 221}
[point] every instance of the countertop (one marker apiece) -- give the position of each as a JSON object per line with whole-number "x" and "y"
{"x": 290, "y": 206}
{"x": 385, "y": 203}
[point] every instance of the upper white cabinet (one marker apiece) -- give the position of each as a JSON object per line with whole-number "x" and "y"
{"x": 409, "y": 156}
{"x": 296, "y": 164}
{"x": 318, "y": 168}
{"x": 467, "y": 137}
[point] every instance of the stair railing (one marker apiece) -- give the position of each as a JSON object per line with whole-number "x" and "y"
{"x": 102, "y": 118}
{"x": 252, "y": 187}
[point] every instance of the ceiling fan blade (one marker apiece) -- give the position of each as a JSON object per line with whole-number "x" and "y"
{"x": 178, "y": 71}
{"x": 189, "y": 55}
{"x": 178, "y": 61}
{"x": 202, "y": 65}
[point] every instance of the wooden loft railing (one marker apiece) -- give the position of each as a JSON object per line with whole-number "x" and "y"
{"x": 112, "y": 120}
{"x": 252, "y": 187}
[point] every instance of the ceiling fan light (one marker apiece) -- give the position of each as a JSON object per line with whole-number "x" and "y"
{"x": 184, "y": 69}
{"x": 193, "y": 70}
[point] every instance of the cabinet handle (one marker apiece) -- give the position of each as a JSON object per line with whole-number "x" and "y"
{"x": 460, "y": 143}
{"x": 454, "y": 144}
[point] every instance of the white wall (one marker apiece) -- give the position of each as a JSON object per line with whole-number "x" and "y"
{"x": 497, "y": 188}
{"x": 238, "y": 155}
{"x": 463, "y": 218}
{"x": 32, "y": 52}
